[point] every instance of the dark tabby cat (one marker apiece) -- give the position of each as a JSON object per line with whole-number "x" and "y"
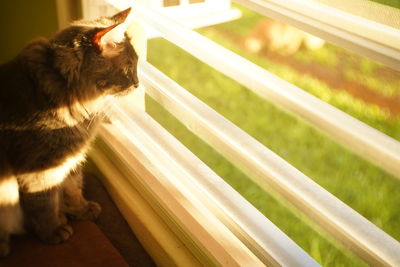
{"x": 50, "y": 95}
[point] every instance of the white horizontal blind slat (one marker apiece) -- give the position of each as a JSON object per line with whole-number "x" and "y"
{"x": 270, "y": 171}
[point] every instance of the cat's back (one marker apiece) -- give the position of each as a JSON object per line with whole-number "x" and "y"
{"x": 13, "y": 82}
{"x": 18, "y": 88}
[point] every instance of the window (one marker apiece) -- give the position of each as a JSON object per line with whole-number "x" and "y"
{"x": 199, "y": 211}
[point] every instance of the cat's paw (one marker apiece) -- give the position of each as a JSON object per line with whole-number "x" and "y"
{"x": 4, "y": 249}
{"x": 90, "y": 213}
{"x": 62, "y": 218}
{"x": 59, "y": 235}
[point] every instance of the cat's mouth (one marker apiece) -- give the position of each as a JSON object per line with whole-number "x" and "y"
{"x": 128, "y": 90}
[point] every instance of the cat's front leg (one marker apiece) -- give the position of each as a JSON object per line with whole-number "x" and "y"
{"x": 40, "y": 196}
{"x": 11, "y": 219}
{"x": 74, "y": 203}
{"x": 42, "y": 215}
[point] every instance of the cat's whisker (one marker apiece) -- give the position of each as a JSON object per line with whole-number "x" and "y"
{"x": 90, "y": 123}
{"x": 87, "y": 112}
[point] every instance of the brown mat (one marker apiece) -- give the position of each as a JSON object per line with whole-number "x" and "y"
{"x": 87, "y": 247}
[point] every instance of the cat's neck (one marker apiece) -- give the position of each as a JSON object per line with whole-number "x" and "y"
{"x": 79, "y": 111}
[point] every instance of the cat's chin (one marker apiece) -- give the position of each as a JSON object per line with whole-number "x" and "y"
{"x": 126, "y": 91}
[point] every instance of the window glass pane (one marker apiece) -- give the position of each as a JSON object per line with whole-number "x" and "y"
{"x": 357, "y": 85}
{"x": 382, "y": 11}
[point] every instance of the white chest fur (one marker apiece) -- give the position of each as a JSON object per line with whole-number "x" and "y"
{"x": 46, "y": 179}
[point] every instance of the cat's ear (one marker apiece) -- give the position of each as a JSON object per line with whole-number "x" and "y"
{"x": 106, "y": 39}
{"x": 121, "y": 16}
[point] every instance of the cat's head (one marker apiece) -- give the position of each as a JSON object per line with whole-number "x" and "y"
{"x": 96, "y": 57}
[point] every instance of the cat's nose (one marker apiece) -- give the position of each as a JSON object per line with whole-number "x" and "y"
{"x": 136, "y": 85}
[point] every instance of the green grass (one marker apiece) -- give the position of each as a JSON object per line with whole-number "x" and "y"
{"x": 361, "y": 185}
{"x": 361, "y": 70}
{"x": 392, "y": 3}
{"x": 323, "y": 56}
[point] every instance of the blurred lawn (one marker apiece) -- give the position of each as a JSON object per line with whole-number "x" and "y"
{"x": 361, "y": 185}
{"x": 393, "y": 3}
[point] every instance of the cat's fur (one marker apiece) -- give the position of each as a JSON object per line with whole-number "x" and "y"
{"x": 50, "y": 95}
{"x": 274, "y": 35}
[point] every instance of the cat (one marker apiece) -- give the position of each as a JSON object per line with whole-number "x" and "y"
{"x": 275, "y": 36}
{"x": 51, "y": 94}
